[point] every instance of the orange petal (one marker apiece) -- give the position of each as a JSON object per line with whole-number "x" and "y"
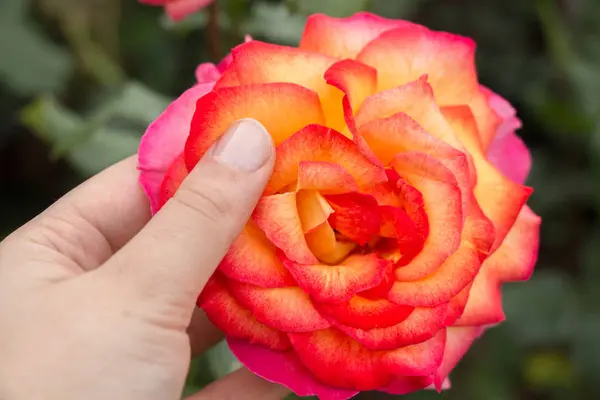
{"x": 399, "y": 133}
{"x": 338, "y": 283}
{"x": 421, "y": 325}
{"x": 251, "y": 259}
{"x": 275, "y": 105}
{"x": 484, "y": 306}
{"x": 456, "y": 272}
{"x": 277, "y": 216}
{"x": 457, "y": 304}
{"x": 360, "y": 312}
{"x": 356, "y": 216}
{"x": 344, "y": 37}
{"x": 445, "y": 219}
{"x": 230, "y": 317}
{"x": 340, "y": 361}
{"x": 515, "y": 258}
{"x": 357, "y": 80}
{"x": 404, "y": 54}
{"x": 326, "y": 177}
{"x": 257, "y": 62}
{"x": 322, "y": 144}
{"x": 324, "y": 244}
{"x": 285, "y": 309}
{"x": 513, "y": 261}
{"x": 313, "y": 209}
{"x": 415, "y": 99}
{"x": 488, "y": 122}
{"x": 500, "y": 198}
{"x": 174, "y": 176}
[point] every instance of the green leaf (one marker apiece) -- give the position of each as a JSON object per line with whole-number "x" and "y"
{"x": 395, "y": 9}
{"x": 138, "y": 103}
{"x": 275, "y": 22}
{"x": 30, "y": 63}
{"x": 102, "y": 149}
{"x": 221, "y": 360}
{"x": 333, "y": 8}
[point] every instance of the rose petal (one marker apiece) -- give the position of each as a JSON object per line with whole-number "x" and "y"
{"x": 274, "y": 105}
{"x": 164, "y": 140}
{"x": 321, "y": 144}
{"x": 285, "y": 64}
{"x": 435, "y": 182}
{"x": 458, "y": 341}
{"x": 286, "y": 369}
{"x": 338, "y": 283}
{"x": 229, "y": 316}
{"x": 399, "y": 133}
{"x": 456, "y": 272}
{"x": 340, "y": 361}
{"x": 326, "y": 177}
{"x": 345, "y": 37}
{"x": 404, "y": 54}
{"x": 356, "y": 216}
{"x": 277, "y": 216}
{"x": 286, "y": 309}
{"x": 512, "y": 261}
{"x": 313, "y": 209}
{"x": 252, "y": 259}
{"x": 173, "y": 178}
{"x": 511, "y": 156}
{"x": 323, "y": 243}
{"x": 499, "y": 197}
{"x": 363, "y": 313}
{"x": 421, "y": 325}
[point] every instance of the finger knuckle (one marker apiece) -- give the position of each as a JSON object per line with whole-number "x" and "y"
{"x": 209, "y": 203}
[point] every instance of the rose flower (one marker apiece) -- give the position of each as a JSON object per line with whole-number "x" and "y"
{"x": 179, "y": 9}
{"x": 395, "y": 211}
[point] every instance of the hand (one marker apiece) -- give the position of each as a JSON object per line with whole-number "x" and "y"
{"x": 97, "y": 300}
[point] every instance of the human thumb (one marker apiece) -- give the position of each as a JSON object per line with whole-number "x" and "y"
{"x": 175, "y": 254}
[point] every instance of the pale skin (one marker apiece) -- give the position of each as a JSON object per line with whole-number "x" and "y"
{"x": 97, "y": 300}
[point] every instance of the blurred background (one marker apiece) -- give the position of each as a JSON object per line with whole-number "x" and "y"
{"x": 81, "y": 79}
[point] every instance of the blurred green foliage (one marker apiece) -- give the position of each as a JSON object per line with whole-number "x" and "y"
{"x": 79, "y": 81}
